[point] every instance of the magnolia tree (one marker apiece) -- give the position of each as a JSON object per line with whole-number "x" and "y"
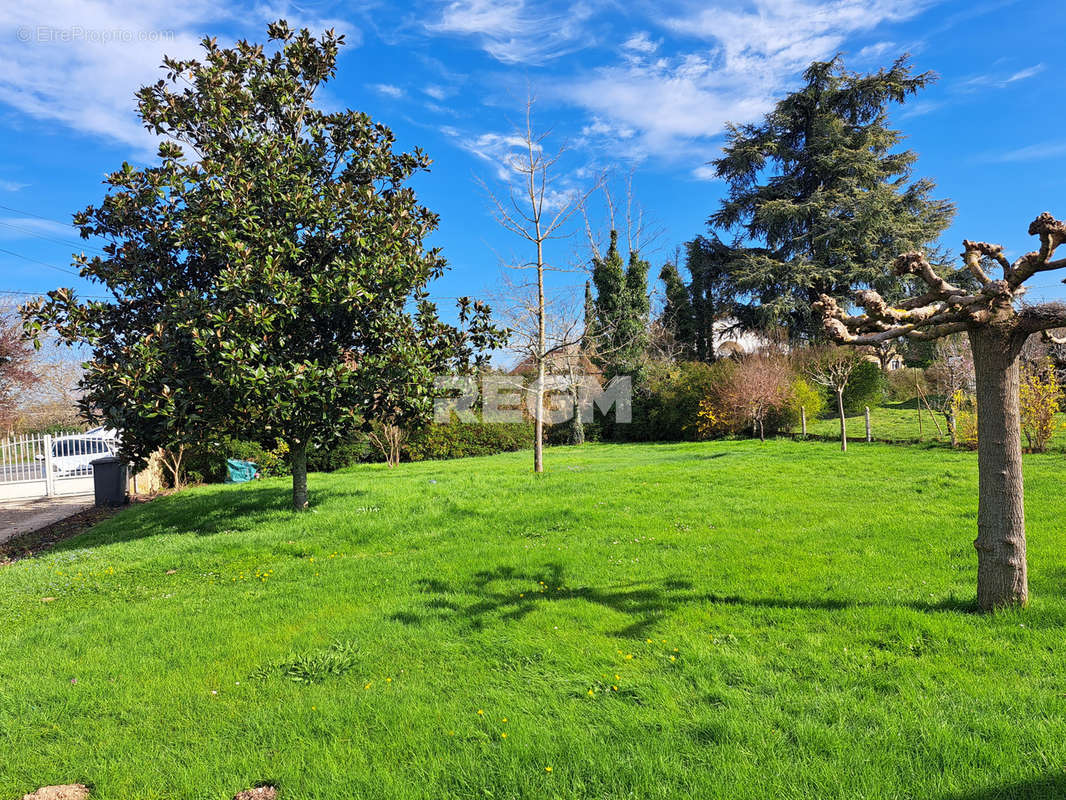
{"x": 998, "y": 327}
{"x": 264, "y": 273}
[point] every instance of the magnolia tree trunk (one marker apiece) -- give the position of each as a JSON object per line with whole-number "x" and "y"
{"x": 1000, "y": 543}
{"x": 298, "y": 459}
{"x": 843, "y": 424}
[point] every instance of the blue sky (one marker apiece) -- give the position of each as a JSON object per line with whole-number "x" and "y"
{"x": 636, "y": 87}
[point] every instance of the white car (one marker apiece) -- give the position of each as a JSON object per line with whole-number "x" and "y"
{"x": 73, "y": 454}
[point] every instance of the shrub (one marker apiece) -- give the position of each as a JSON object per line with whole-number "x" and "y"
{"x": 666, "y": 401}
{"x": 965, "y": 415}
{"x": 865, "y": 387}
{"x": 1039, "y": 398}
{"x": 899, "y": 384}
{"x": 462, "y": 439}
{"x": 206, "y": 463}
{"x": 801, "y": 394}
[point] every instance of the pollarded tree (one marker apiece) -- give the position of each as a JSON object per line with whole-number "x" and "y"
{"x": 998, "y": 328}
{"x": 263, "y": 270}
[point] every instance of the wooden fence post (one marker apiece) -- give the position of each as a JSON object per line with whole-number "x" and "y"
{"x": 803, "y": 420}
{"x": 869, "y": 437}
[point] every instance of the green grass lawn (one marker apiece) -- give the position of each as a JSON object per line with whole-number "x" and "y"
{"x": 716, "y": 620}
{"x": 898, "y": 422}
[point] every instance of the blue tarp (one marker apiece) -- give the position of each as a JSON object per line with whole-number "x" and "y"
{"x": 241, "y": 471}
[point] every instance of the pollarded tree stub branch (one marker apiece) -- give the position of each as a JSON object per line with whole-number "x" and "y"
{"x": 971, "y": 256}
{"x": 868, "y": 329}
{"x": 916, "y": 264}
{"x": 1042, "y": 318}
{"x": 1052, "y": 233}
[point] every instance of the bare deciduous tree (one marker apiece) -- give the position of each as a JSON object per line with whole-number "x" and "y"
{"x": 759, "y": 385}
{"x": 832, "y": 369}
{"x": 15, "y": 362}
{"x": 950, "y": 373}
{"x": 537, "y": 212}
{"x": 998, "y": 326}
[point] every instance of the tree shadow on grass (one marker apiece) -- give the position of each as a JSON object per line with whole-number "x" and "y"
{"x": 506, "y": 593}
{"x": 228, "y": 509}
{"x": 1044, "y": 787}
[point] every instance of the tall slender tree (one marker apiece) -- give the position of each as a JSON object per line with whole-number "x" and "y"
{"x": 621, "y": 306}
{"x": 538, "y": 213}
{"x": 820, "y": 197}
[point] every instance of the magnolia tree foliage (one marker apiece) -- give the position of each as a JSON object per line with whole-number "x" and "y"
{"x": 998, "y": 326}
{"x": 263, "y": 270}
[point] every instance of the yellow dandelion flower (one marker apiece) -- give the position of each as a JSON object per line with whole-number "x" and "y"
{"x": 673, "y": 658}
{"x": 388, "y": 680}
{"x": 618, "y": 677}
{"x": 505, "y": 719}
{"x": 629, "y": 656}
{"x": 614, "y": 688}
{"x": 591, "y": 693}
{"x": 503, "y": 735}
{"x": 647, "y": 641}
{"x": 480, "y": 713}
{"x": 547, "y": 769}
{"x": 367, "y": 686}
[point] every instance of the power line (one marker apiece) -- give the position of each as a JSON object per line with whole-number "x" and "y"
{"x": 36, "y": 261}
{"x": 46, "y": 238}
{"x": 31, "y": 214}
{"x": 20, "y": 293}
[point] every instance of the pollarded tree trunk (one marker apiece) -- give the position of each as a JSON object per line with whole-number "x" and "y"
{"x": 1001, "y": 563}
{"x": 843, "y": 424}
{"x": 298, "y": 459}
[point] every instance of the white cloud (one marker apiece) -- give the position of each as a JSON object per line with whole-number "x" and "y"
{"x": 515, "y": 31}
{"x": 437, "y": 92}
{"x": 876, "y": 50}
{"x": 920, "y": 108}
{"x": 1033, "y": 152}
{"x": 79, "y": 62}
{"x": 641, "y": 43}
{"x": 1003, "y": 81}
{"x": 21, "y": 227}
{"x": 388, "y": 89}
{"x": 705, "y": 172}
{"x": 753, "y": 51}
{"x": 12, "y": 186}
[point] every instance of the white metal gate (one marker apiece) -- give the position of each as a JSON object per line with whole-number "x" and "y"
{"x": 42, "y": 465}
